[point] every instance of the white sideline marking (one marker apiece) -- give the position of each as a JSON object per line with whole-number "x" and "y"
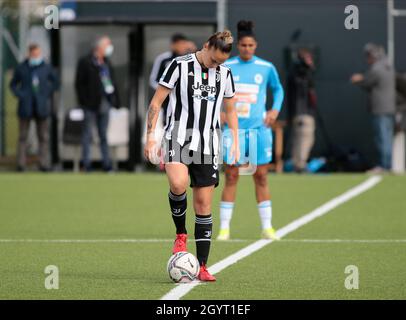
{"x": 182, "y": 289}
{"x": 192, "y": 240}
{"x": 346, "y": 240}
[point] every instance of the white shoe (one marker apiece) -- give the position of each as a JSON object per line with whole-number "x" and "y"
{"x": 269, "y": 233}
{"x": 224, "y": 235}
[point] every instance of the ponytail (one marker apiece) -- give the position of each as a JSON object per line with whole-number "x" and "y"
{"x": 222, "y": 41}
{"x": 245, "y": 29}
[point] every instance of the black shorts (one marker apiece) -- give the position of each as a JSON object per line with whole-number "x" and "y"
{"x": 203, "y": 168}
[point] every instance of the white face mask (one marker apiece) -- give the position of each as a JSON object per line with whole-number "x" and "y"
{"x": 109, "y": 50}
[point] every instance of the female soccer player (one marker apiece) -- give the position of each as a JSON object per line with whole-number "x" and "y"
{"x": 197, "y": 85}
{"x": 252, "y": 77}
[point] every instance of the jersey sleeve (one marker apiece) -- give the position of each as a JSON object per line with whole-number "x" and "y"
{"x": 170, "y": 76}
{"x": 153, "y": 81}
{"x": 277, "y": 89}
{"x": 229, "y": 91}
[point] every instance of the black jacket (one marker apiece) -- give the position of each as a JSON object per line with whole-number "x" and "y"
{"x": 89, "y": 88}
{"x": 300, "y": 91}
{"x": 21, "y": 85}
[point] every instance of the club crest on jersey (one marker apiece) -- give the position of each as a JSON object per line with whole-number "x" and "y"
{"x": 205, "y": 76}
{"x": 218, "y": 76}
{"x": 258, "y": 78}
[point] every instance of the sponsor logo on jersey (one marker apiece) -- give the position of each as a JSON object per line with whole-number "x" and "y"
{"x": 208, "y": 98}
{"x": 204, "y": 88}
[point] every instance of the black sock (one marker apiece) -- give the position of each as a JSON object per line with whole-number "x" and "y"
{"x": 203, "y": 228}
{"x": 178, "y": 205}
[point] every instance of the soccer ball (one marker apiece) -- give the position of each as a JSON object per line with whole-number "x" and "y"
{"x": 183, "y": 267}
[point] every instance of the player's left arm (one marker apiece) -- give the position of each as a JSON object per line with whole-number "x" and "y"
{"x": 278, "y": 94}
{"x": 222, "y": 117}
{"x": 231, "y": 89}
{"x": 230, "y": 115}
{"x": 231, "y": 118}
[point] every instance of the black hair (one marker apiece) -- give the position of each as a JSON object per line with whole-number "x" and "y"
{"x": 222, "y": 41}
{"x": 178, "y": 37}
{"x": 245, "y": 29}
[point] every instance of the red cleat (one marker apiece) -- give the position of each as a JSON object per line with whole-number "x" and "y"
{"x": 204, "y": 274}
{"x": 180, "y": 243}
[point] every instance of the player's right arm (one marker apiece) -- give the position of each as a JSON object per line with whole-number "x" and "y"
{"x": 168, "y": 81}
{"x": 153, "y": 112}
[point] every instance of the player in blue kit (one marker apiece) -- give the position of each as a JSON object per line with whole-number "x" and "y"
{"x": 252, "y": 77}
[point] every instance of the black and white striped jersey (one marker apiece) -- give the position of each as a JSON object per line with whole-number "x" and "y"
{"x": 195, "y": 102}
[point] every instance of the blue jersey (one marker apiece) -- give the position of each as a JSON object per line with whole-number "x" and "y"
{"x": 252, "y": 78}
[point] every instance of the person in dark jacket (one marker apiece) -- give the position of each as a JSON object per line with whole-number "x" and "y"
{"x": 33, "y": 83}
{"x": 400, "y": 102}
{"x": 301, "y": 103}
{"x": 97, "y": 92}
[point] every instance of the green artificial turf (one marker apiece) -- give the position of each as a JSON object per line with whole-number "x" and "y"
{"x": 135, "y": 206}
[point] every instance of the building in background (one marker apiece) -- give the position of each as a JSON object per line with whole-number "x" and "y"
{"x": 142, "y": 29}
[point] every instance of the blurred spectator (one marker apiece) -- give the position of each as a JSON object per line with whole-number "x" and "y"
{"x": 190, "y": 47}
{"x": 96, "y": 90}
{"x": 400, "y": 102}
{"x": 33, "y": 83}
{"x": 301, "y": 102}
{"x": 379, "y": 82}
{"x": 180, "y": 45}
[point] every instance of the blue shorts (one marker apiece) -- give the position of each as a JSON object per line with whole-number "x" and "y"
{"x": 255, "y": 146}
